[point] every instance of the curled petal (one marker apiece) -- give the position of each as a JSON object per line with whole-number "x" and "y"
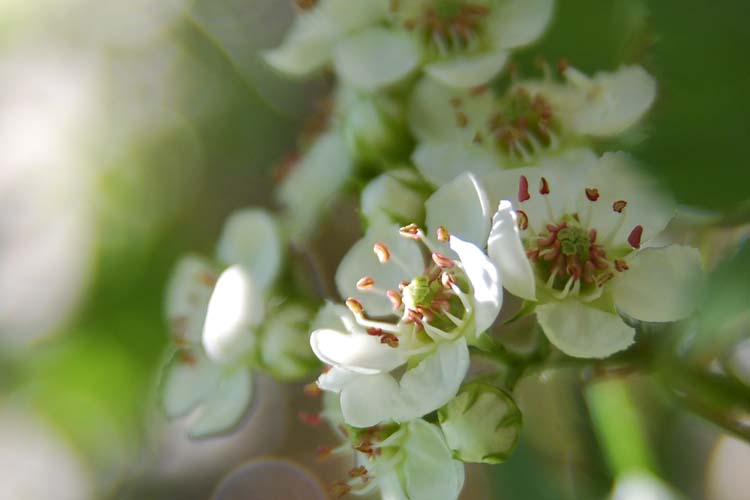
{"x": 357, "y": 353}
{"x": 462, "y": 207}
{"x": 506, "y": 250}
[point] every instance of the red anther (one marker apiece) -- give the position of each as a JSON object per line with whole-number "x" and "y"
{"x": 339, "y": 489}
{"x": 588, "y": 272}
{"x": 355, "y": 306}
{"x": 375, "y": 332}
{"x": 619, "y": 206}
{"x": 312, "y": 389}
{"x": 574, "y": 267}
{"x": 547, "y": 240}
{"x": 605, "y": 278}
{"x": 562, "y": 65}
{"x": 365, "y": 283}
{"x": 533, "y": 254}
{"x": 522, "y": 219}
{"x": 456, "y": 102}
{"x": 442, "y": 261}
{"x": 621, "y": 265}
{"x": 543, "y": 186}
{"x": 323, "y": 452}
{"x": 634, "y": 239}
{"x": 442, "y": 234}
{"x": 395, "y": 298}
{"x": 413, "y": 316}
{"x": 592, "y": 235}
{"x": 592, "y": 194}
{"x": 187, "y": 358}
{"x": 447, "y": 280}
{"x": 461, "y": 119}
{"x": 382, "y": 252}
{"x": 410, "y": 231}
{"x": 311, "y": 419}
{"x": 389, "y": 339}
{"x": 523, "y": 189}
{"x": 598, "y": 260}
{"x": 358, "y": 471}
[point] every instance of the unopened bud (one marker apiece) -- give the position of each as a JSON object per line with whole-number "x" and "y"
{"x": 481, "y": 424}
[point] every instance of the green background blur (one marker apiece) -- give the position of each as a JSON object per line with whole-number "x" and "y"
{"x": 183, "y": 124}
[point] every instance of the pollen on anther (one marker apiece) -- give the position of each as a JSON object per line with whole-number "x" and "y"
{"x": 543, "y": 186}
{"x": 442, "y": 234}
{"x": 365, "y": 283}
{"x": 375, "y": 332}
{"x": 592, "y": 194}
{"x": 382, "y": 252}
{"x": 523, "y": 189}
{"x": 634, "y": 239}
{"x": 619, "y": 206}
{"x": 355, "y": 306}
{"x": 410, "y": 231}
{"x": 621, "y": 265}
{"x": 523, "y": 219}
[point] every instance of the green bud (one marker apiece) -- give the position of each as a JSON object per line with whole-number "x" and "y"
{"x": 374, "y": 127}
{"x": 481, "y": 424}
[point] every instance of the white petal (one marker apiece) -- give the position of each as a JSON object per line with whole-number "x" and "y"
{"x": 283, "y": 345}
{"x": 313, "y": 182}
{"x": 369, "y": 400}
{"x": 355, "y": 352}
{"x": 335, "y": 379}
{"x": 306, "y": 47}
{"x": 433, "y": 382}
{"x": 519, "y": 22}
{"x": 485, "y": 282}
{"x": 375, "y": 57}
{"x": 406, "y": 263}
{"x": 188, "y": 292}
{"x": 441, "y": 162}
{"x": 582, "y": 331}
{"x": 235, "y": 307}
{"x": 611, "y": 102}
{"x": 429, "y": 469}
{"x": 250, "y": 238}
{"x": 433, "y": 114}
{"x": 469, "y": 70}
{"x": 389, "y": 484}
{"x": 506, "y": 250}
{"x": 661, "y": 284}
{"x": 461, "y": 206}
{"x": 226, "y": 406}
{"x": 189, "y": 377}
{"x": 388, "y": 198}
{"x": 618, "y": 178}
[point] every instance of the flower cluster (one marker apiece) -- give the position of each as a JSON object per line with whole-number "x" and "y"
{"x": 469, "y": 185}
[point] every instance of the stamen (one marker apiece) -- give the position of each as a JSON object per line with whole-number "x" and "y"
{"x": 523, "y": 189}
{"x": 339, "y": 489}
{"x": 543, "y": 186}
{"x": 522, "y": 219}
{"x": 357, "y": 471}
{"x": 634, "y": 239}
{"x": 437, "y": 334}
{"x": 375, "y": 332}
{"x": 443, "y": 235}
{"x": 311, "y": 419}
{"x": 365, "y": 283}
{"x": 443, "y": 261}
{"x": 619, "y": 206}
{"x": 592, "y": 194}
{"x": 395, "y": 298}
{"x": 411, "y": 231}
{"x": 382, "y": 252}
{"x": 355, "y": 306}
{"x": 621, "y": 265}
{"x": 447, "y": 280}
{"x": 389, "y": 339}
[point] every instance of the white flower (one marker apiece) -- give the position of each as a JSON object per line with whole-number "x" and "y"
{"x": 436, "y": 310}
{"x": 218, "y": 326}
{"x": 573, "y": 237}
{"x": 376, "y": 43}
{"x": 472, "y": 131}
{"x": 411, "y": 461}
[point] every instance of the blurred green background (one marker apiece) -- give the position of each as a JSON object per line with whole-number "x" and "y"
{"x": 129, "y": 130}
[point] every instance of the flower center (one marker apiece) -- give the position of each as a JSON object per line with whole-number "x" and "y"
{"x": 447, "y": 26}
{"x": 524, "y": 124}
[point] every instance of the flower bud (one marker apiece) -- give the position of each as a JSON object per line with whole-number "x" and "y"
{"x": 374, "y": 128}
{"x": 481, "y": 424}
